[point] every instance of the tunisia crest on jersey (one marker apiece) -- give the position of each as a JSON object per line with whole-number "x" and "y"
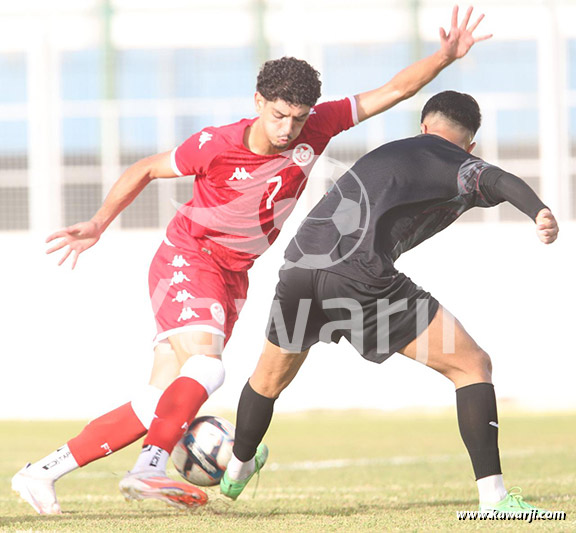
{"x": 303, "y": 154}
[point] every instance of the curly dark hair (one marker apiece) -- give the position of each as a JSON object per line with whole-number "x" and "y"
{"x": 458, "y": 107}
{"x": 289, "y": 79}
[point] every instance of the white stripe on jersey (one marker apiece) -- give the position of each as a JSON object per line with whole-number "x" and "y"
{"x": 173, "y": 163}
{"x": 354, "y": 108}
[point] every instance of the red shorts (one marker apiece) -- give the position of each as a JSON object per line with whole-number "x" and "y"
{"x": 190, "y": 291}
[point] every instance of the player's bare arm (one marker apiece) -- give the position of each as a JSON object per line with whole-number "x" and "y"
{"x": 453, "y": 45}
{"x": 546, "y": 226}
{"x": 79, "y": 237}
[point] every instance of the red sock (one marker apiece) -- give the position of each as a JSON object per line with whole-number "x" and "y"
{"x": 106, "y": 434}
{"x": 176, "y": 409}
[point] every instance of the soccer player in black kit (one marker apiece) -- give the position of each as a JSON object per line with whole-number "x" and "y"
{"x": 339, "y": 280}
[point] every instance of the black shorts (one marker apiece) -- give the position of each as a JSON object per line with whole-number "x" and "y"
{"x": 317, "y": 305}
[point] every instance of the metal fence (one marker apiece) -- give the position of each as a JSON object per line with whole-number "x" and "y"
{"x": 94, "y": 86}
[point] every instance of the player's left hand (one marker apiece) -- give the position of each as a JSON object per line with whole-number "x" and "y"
{"x": 546, "y": 226}
{"x": 460, "y": 39}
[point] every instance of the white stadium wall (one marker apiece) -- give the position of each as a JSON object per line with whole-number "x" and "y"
{"x": 79, "y": 342}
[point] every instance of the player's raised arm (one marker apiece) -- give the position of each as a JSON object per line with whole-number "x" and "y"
{"x": 81, "y": 236}
{"x": 453, "y": 45}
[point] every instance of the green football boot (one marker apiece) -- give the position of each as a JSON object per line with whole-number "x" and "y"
{"x": 513, "y": 503}
{"x": 232, "y": 489}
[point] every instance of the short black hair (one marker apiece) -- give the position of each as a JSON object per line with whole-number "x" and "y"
{"x": 458, "y": 107}
{"x": 289, "y": 79}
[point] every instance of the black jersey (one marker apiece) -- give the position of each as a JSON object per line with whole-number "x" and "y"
{"x": 394, "y": 198}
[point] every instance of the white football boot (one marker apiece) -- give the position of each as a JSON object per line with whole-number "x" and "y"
{"x": 38, "y": 492}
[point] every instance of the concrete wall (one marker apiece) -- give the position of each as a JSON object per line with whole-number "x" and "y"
{"x": 78, "y": 342}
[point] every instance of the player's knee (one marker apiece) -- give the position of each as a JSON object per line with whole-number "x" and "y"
{"x": 475, "y": 365}
{"x": 270, "y": 384}
{"x": 480, "y": 363}
{"x": 208, "y": 371}
{"x": 487, "y": 363}
{"x": 271, "y": 389}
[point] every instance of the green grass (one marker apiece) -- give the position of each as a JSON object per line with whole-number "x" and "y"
{"x": 403, "y": 472}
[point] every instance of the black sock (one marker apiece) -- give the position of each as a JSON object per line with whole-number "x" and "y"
{"x": 252, "y": 421}
{"x": 478, "y": 422}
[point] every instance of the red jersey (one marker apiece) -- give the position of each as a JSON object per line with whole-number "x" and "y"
{"x": 241, "y": 199}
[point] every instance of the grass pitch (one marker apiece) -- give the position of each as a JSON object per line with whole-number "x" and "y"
{"x": 345, "y": 471}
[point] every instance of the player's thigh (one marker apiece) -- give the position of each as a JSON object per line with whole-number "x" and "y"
{"x": 170, "y": 356}
{"x": 275, "y": 370}
{"x": 293, "y": 326}
{"x": 188, "y": 343}
{"x": 445, "y": 346}
{"x": 165, "y": 367}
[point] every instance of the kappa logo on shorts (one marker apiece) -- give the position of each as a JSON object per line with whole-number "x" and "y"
{"x": 178, "y": 277}
{"x": 179, "y": 262}
{"x": 218, "y": 313}
{"x": 303, "y": 154}
{"x": 182, "y": 296}
{"x": 188, "y": 313}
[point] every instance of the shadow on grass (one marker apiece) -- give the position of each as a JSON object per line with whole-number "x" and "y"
{"x": 69, "y": 517}
{"x": 345, "y": 509}
{"x": 225, "y": 510}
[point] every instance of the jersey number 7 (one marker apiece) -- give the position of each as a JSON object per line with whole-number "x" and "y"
{"x": 278, "y": 181}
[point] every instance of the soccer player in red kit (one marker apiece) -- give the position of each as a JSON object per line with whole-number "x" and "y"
{"x": 249, "y": 176}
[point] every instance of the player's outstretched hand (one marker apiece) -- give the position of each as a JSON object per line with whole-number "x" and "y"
{"x": 460, "y": 39}
{"x": 546, "y": 226}
{"x": 77, "y": 238}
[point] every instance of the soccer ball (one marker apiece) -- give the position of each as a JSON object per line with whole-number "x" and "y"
{"x": 202, "y": 454}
